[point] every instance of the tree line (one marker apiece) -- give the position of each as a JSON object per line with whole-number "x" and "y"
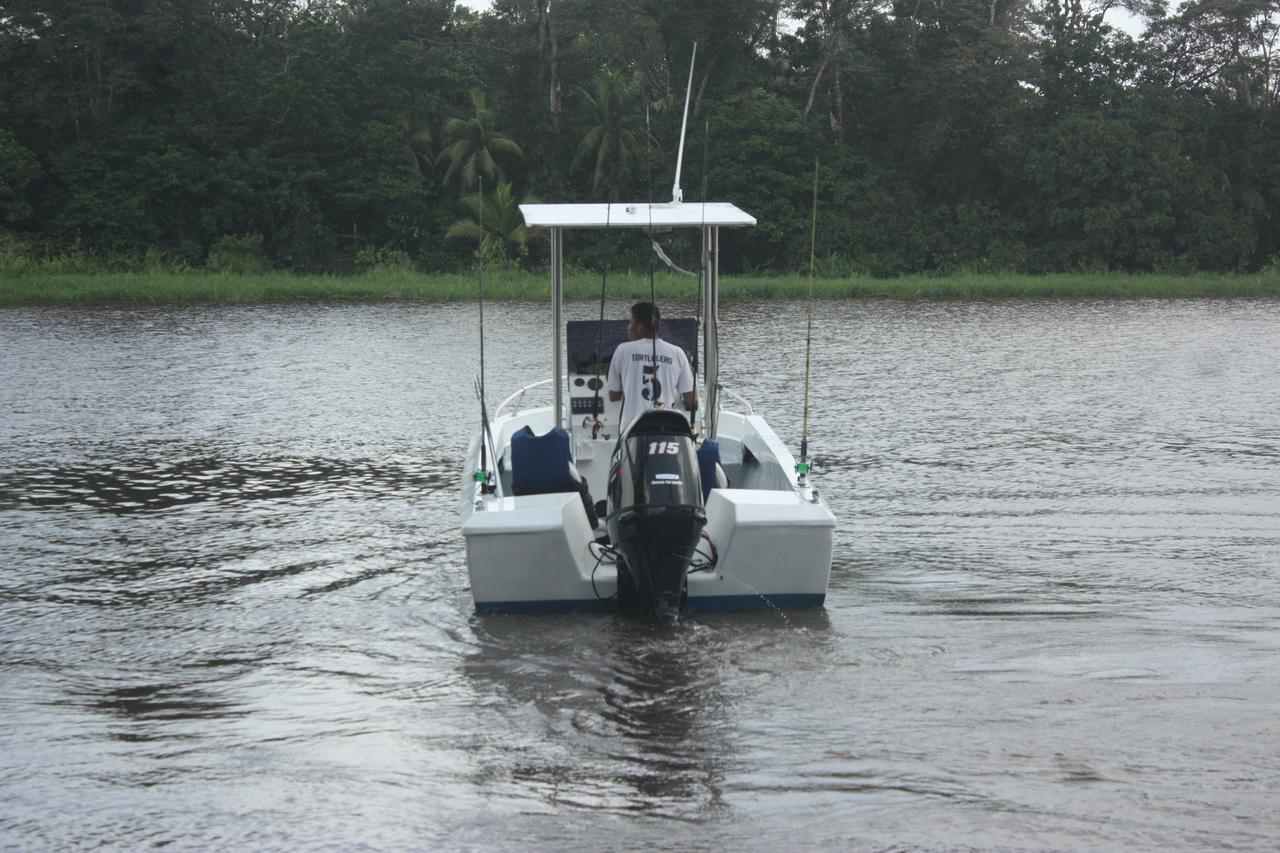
{"x": 332, "y": 135}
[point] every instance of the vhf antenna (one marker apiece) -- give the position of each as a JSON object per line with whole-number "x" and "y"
{"x": 677, "y": 195}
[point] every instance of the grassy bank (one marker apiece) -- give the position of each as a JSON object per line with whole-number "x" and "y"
{"x": 178, "y": 288}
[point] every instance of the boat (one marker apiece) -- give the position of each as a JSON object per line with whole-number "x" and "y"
{"x": 761, "y": 539}
{"x": 582, "y": 505}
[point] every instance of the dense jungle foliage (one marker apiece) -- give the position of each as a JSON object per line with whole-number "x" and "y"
{"x": 341, "y": 135}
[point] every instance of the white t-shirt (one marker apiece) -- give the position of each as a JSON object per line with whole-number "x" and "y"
{"x": 631, "y": 372}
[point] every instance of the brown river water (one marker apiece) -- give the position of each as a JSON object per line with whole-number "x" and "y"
{"x": 234, "y": 608}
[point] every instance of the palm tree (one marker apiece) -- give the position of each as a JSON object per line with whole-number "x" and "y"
{"x": 495, "y": 223}
{"x": 475, "y": 147}
{"x": 413, "y": 137}
{"x": 614, "y": 143}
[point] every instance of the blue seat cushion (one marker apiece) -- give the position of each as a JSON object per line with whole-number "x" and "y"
{"x": 708, "y": 462}
{"x": 540, "y": 464}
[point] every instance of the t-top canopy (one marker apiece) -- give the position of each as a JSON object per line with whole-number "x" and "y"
{"x": 671, "y": 215}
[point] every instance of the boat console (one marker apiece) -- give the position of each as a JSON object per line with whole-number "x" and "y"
{"x": 591, "y": 343}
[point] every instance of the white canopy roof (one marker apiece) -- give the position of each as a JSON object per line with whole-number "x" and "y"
{"x": 637, "y": 215}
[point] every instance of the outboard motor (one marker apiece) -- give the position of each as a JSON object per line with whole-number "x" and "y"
{"x": 656, "y": 512}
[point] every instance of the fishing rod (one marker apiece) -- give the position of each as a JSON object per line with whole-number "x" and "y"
{"x": 487, "y": 486}
{"x": 482, "y": 476}
{"x": 648, "y": 188}
{"x": 802, "y": 467}
{"x": 702, "y": 227}
{"x": 655, "y": 387}
{"x": 702, "y": 265}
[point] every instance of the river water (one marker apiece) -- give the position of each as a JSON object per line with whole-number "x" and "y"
{"x": 234, "y": 608}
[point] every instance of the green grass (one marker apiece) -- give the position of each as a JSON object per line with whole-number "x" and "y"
{"x": 180, "y": 288}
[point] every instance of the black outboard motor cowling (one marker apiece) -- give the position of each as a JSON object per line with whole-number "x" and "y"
{"x": 656, "y": 512}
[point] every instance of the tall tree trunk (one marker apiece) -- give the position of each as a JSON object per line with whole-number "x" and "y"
{"x": 702, "y": 87}
{"x": 813, "y": 90}
{"x": 542, "y": 42}
{"x": 555, "y": 70}
{"x": 837, "y": 106}
{"x": 833, "y": 15}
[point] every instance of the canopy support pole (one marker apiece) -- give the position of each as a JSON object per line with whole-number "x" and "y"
{"x": 710, "y": 329}
{"x": 557, "y": 325}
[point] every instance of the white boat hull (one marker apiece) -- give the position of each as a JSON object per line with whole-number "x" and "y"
{"x": 534, "y": 553}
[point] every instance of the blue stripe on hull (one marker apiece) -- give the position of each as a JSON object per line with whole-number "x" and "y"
{"x": 713, "y": 603}
{"x": 783, "y": 601}
{"x": 567, "y": 605}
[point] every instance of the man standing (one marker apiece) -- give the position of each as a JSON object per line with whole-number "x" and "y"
{"x": 647, "y": 372}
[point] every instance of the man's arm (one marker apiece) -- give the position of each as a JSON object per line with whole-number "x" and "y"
{"x": 615, "y": 396}
{"x": 690, "y": 400}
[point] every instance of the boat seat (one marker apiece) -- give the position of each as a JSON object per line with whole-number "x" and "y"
{"x": 713, "y": 476}
{"x": 541, "y": 465}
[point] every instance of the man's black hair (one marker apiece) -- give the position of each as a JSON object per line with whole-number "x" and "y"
{"x": 647, "y": 315}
